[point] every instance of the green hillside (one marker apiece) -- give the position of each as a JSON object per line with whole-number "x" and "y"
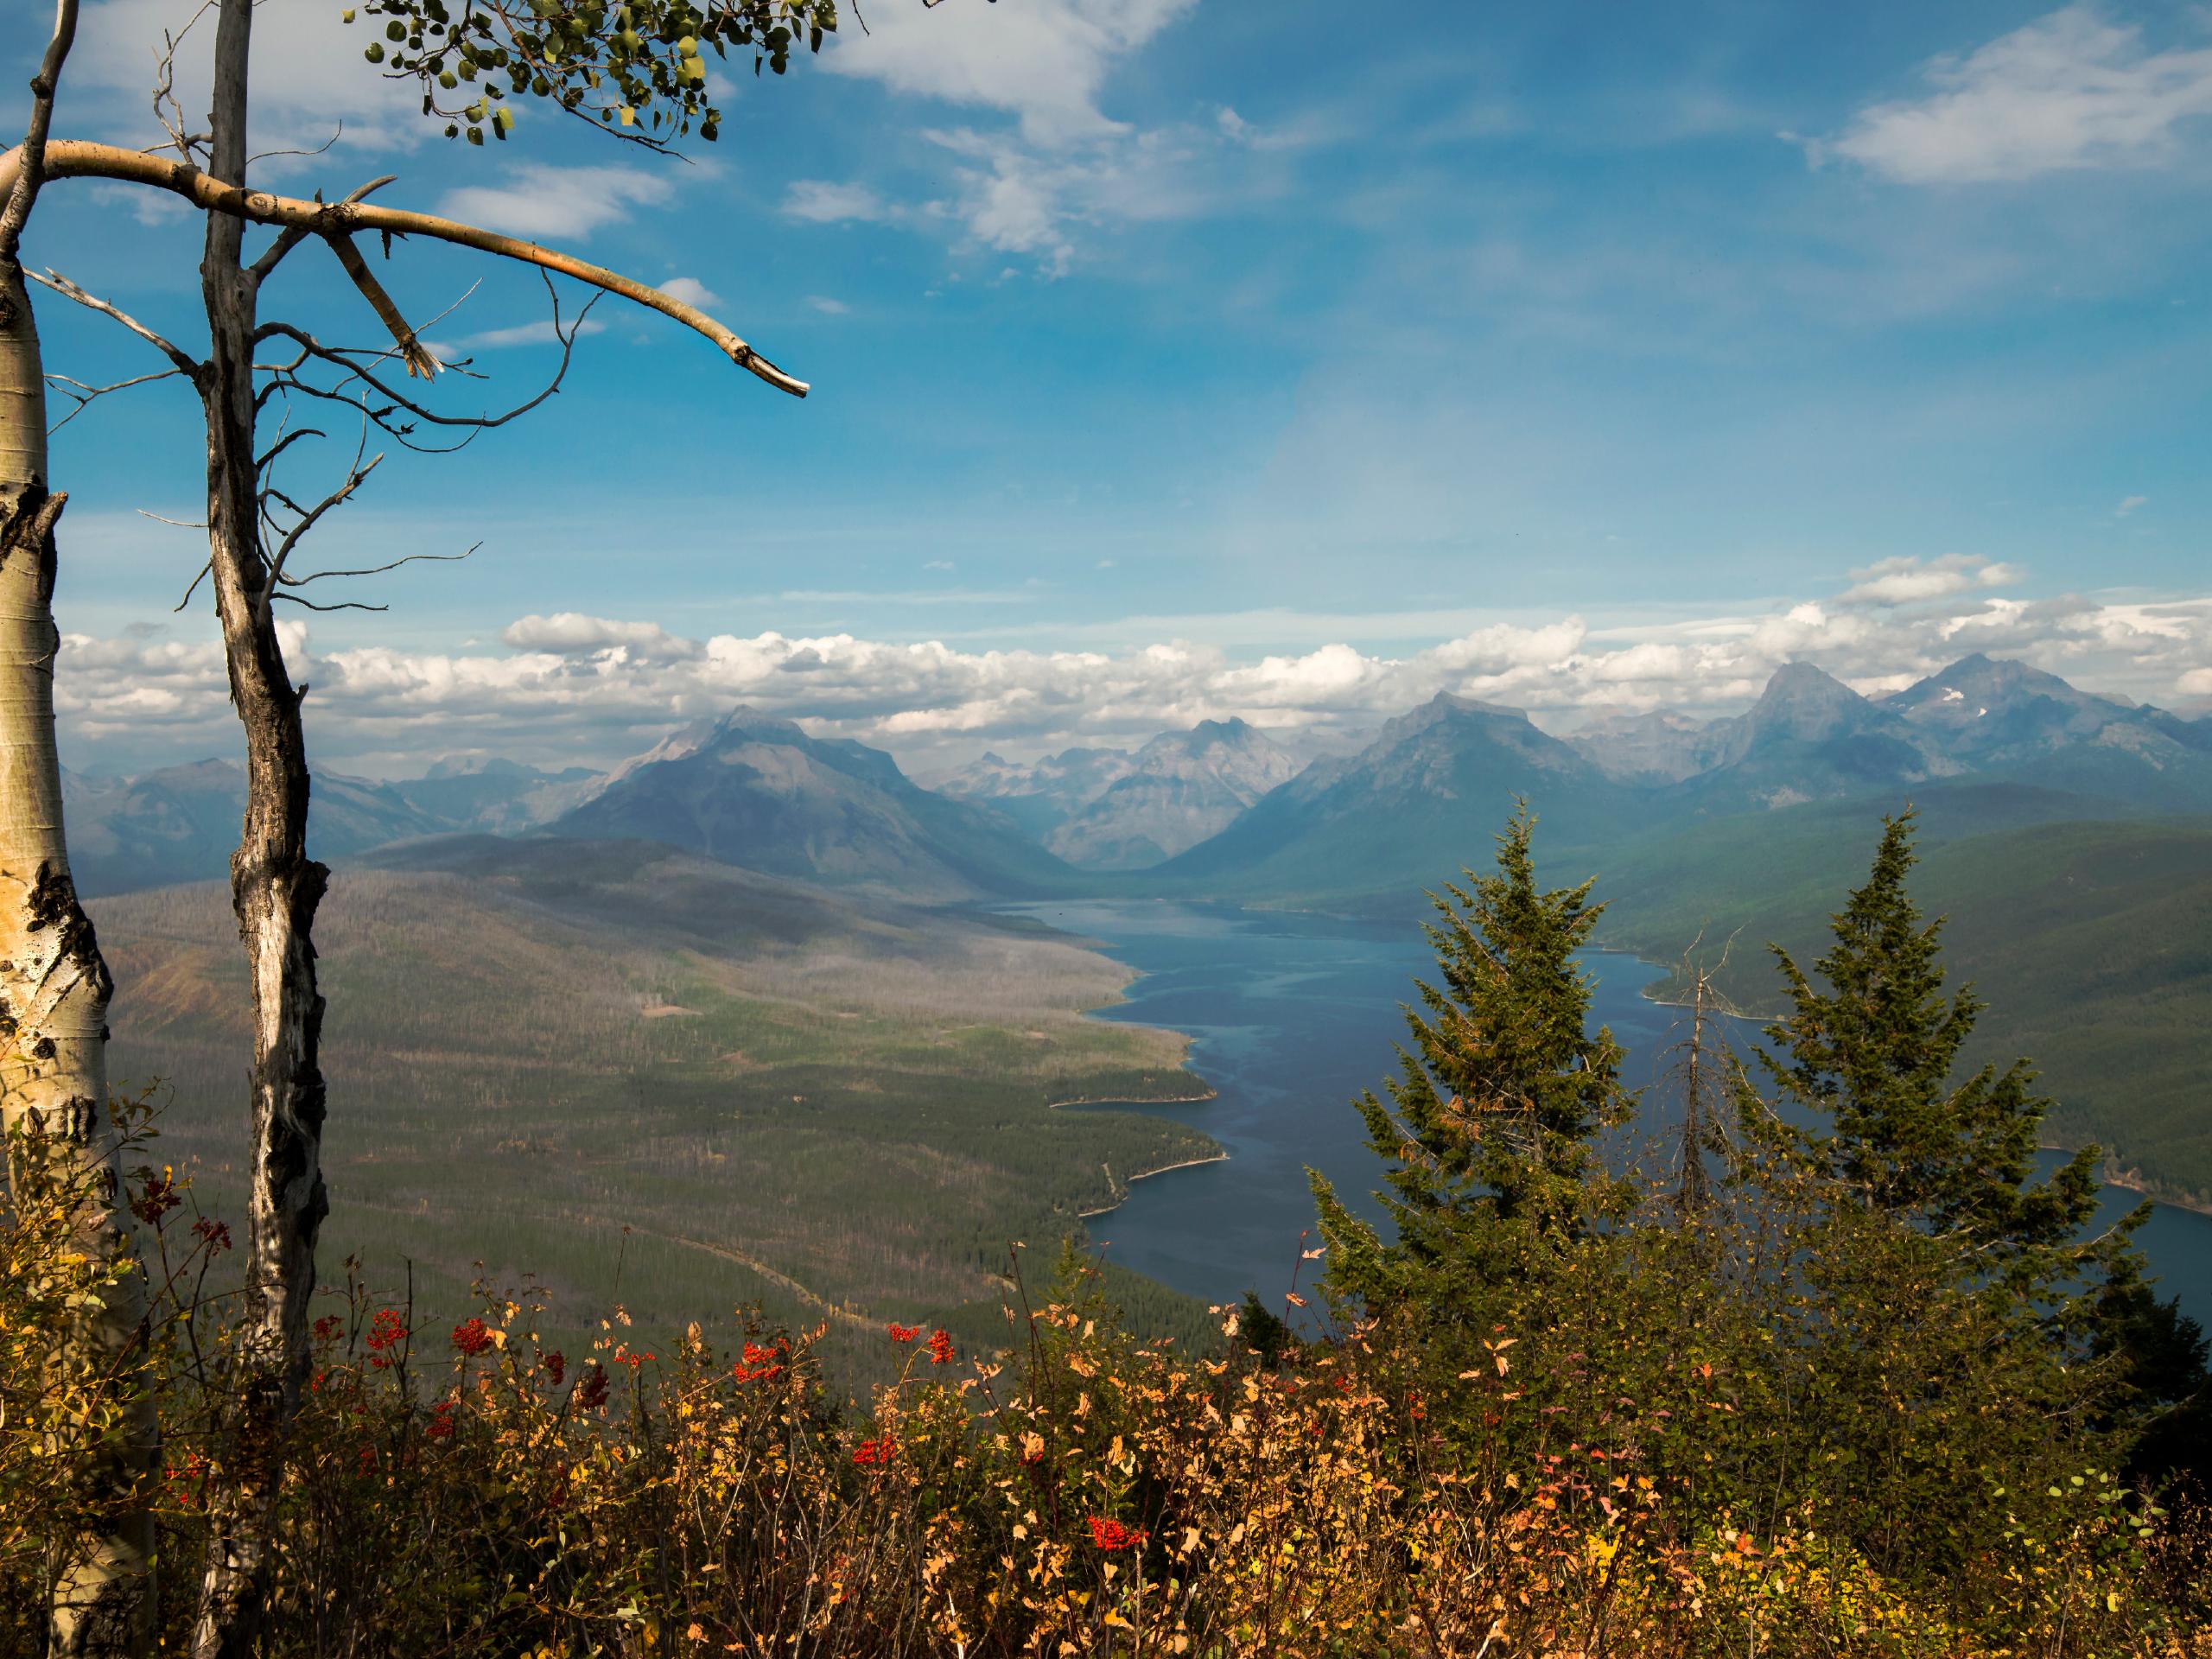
{"x": 589, "y": 1060}
{"x": 2091, "y": 941}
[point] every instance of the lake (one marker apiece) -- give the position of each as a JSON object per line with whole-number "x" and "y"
{"x": 1290, "y": 1016}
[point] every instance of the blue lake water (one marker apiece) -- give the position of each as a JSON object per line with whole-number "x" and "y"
{"x": 1290, "y": 1016}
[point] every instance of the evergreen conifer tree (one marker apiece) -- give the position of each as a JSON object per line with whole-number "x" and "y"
{"x": 1865, "y": 1065}
{"x": 1945, "y": 1341}
{"x": 1489, "y": 1128}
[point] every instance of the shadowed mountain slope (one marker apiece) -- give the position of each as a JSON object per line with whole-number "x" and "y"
{"x": 1421, "y": 801}
{"x": 1809, "y": 737}
{"x": 180, "y": 824}
{"x": 758, "y": 792}
{"x": 2007, "y": 717}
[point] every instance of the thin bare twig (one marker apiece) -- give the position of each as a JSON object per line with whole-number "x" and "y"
{"x": 378, "y": 569}
{"x": 69, "y": 290}
{"x": 339, "y": 604}
{"x": 204, "y": 568}
{"x": 82, "y": 395}
{"x": 355, "y": 475}
{"x": 322, "y": 148}
{"x": 287, "y": 379}
{"x": 168, "y": 112}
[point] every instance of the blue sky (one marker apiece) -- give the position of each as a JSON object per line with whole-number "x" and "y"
{"x": 1175, "y": 357}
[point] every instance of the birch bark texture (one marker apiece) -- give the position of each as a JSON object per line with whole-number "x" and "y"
{"x": 53, "y": 985}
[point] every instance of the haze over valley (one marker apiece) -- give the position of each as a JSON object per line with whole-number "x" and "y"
{"x": 2068, "y": 838}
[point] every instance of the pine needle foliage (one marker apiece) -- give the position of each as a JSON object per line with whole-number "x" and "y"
{"x": 1488, "y": 1134}
{"x": 1874, "y": 1053}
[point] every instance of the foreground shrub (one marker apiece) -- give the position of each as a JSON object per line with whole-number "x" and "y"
{"x": 470, "y": 1489}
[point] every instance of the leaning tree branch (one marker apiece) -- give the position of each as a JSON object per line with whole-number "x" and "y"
{"x": 421, "y": 365}
{"x": 185, "y": 364}
{"x": 273, "y": 255}
{"x": 71, "y": 158}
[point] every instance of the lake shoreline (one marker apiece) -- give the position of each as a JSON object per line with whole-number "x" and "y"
{"x": 1146, "y": 1175}
{"x": 1132, "y": 1100}
{"x": 2128, "y": 1180}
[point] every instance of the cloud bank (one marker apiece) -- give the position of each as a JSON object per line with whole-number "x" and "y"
{"x": 569, "y": 687}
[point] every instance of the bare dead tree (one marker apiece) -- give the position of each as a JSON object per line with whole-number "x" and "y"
{"x": 1706, "y": 1072}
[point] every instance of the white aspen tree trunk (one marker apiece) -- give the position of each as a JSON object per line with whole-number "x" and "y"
{"x": 275, "y": 889}
{"x": 53, "y": 998}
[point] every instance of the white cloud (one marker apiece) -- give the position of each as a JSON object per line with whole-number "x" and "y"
{"x": 150, "y": 207}
{"x": 1911, "y": 581}
{"x": 570, "y": 633}
{"x": 1043, "y": 62}
{"x": 592, "y": 687}
{"x": 523, "y": 333}
{"x": 2070, "y": 91}
{"x": 691, "y": 291}
{"x": 820, "y": 201}
{"x": 1060, "y": 165}
{"x": 827, "y": 307}
{"x": 541, "y": 201}
{"x": 2128, "y": 503}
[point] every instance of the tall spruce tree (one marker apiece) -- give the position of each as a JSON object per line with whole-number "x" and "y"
{"x": 1868, "y": 1063}
{"x": 1946, "y": 1337}
{"x": 1489, "y": 1128}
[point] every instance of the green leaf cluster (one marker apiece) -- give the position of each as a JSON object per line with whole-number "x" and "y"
{"x": 638, "y": 69}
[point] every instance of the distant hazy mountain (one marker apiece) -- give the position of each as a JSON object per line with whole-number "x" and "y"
{"x": 1997, "y": 743}
{"x": 494, "y": 795}
{"x": 1810, "y": 737}
{"x": 1043, "y": 795}
{"x": 180, "y": 823}
{"x": 1408, "y": 811}
{"x": 1180, "y": 788}
{"x": 756, "y": 792}
{"x": 1217, "y": 809}
{"x": 1652, "y": 750}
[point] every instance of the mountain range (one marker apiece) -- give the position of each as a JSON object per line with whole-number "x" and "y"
{"x": 2070, "y": 835}
{"x": 1223, "y": 809}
